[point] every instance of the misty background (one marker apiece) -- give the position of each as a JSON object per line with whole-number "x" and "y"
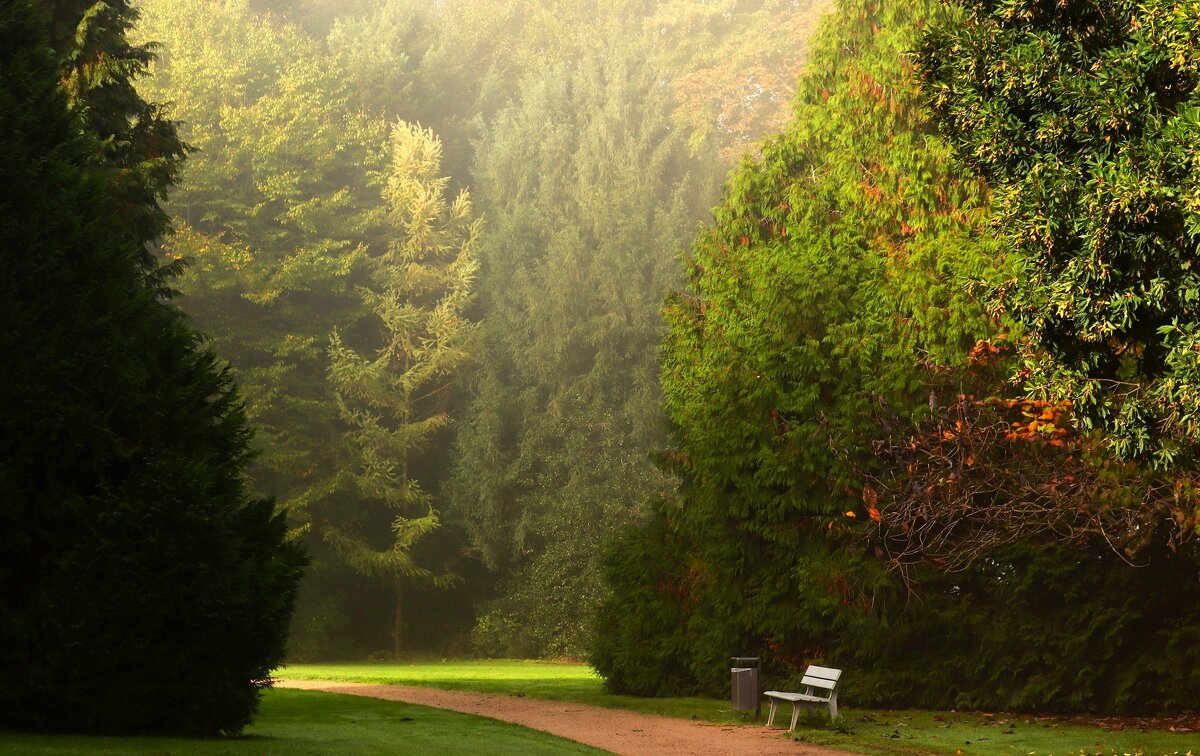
{"x": 434, "y": 241}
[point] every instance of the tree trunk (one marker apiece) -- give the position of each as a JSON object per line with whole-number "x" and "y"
{"x": 397, "y": 625}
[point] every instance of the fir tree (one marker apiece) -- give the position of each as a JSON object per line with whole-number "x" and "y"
{"x": 395, "y": 400}
{"x": 273, "y": 213}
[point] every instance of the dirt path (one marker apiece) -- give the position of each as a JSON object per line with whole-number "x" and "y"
{"x": 622, "y": 732}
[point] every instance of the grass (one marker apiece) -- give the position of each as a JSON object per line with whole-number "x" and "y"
{"x": 303, "y": 722}
{"x": 886, "y": 733}
{"x": 904, "y": 733}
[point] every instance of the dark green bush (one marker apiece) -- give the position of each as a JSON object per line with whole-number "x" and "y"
{"x": 1040, "y": 628}
{"x": 639, "y": 642}
{"x": 141, "y": 587}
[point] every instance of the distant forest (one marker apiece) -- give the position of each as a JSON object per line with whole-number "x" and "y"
{"x": 434, "y": 241}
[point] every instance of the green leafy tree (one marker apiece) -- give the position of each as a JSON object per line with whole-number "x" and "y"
{"x": 828, "y": 284}
{"x": 131, "y": 544}
{"x": 737, "y": 65}
{"x": 830, "y": 292}
{"x": 1084, "y": 117}
{"x": 820, "y": 289}
{"x": 395, "y": 400}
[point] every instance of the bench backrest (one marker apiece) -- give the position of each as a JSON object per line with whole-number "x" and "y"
{"x": 824, "y": 679}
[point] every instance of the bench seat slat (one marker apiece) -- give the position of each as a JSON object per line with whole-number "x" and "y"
{"x": 795, "y": 696}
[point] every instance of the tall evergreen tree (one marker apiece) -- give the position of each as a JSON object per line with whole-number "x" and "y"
{"x": 130, "y": 542}
{"x": 274, "y": 213}
{"x": 395, "y": 400}
{"x": 99, "y": 67}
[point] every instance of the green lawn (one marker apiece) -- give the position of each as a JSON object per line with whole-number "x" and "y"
{"x": 302, "y": 722}
{"x": 553, "y": 681}
{"x": 869, "y": 731}
{"x": 896, "y": 733}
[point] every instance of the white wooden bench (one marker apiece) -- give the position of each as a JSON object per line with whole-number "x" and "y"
{"x": 820, "y": 687}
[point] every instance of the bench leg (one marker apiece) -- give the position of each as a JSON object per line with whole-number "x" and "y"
{"x": 771, "y": 716}
{"x": 833, "y": 706}
{"x": 795, "y": 715}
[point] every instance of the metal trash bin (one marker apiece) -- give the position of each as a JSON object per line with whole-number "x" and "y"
{"x": 744, "y": 674}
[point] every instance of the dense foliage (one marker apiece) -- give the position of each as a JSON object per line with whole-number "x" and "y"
{"x": 131, "y": 545}
{"x": 592, "y": 174}
{"x": 825, "y": 310}
{"x": 821, "y": 290}
{"x": 1084, "y": 117}
{"x": 555, "y": 453}
{"x": 875, "y": 438}
{"x": 590, "y": 137}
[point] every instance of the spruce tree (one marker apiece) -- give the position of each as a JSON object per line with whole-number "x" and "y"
{"x": 395, "y": 399}
{"x": 273, "y": 213}
{"x": 141, "y": 587}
